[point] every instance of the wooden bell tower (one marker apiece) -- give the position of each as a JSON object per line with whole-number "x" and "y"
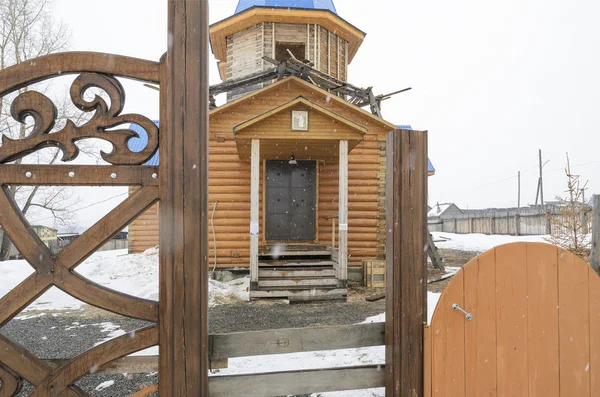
{"x": 314, "y": 33}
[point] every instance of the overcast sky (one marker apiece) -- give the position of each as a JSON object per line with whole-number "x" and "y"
{"x": 493, "y": 81}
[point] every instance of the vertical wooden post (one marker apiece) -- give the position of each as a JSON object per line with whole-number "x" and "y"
{"x": 332, "y": 232}
{"x": 343, "y": 215}
{"x": 595, "y": 254}
{"x": 254, "y": 200}
{"x": 183, "y": 362}
{"x": 406, "y": 272}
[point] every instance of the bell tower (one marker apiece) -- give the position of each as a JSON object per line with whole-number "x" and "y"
{"x": 310, "y": 29}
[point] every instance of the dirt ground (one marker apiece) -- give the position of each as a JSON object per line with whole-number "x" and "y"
{"x": 451, "y": 258}
{"x": 277, "y": 313}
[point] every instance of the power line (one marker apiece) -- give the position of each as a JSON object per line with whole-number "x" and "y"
{"x": 87, "y": 206}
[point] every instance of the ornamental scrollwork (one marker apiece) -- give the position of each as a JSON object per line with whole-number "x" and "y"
{"x": 102, "y": 125}
{"x": 10, "y": 384}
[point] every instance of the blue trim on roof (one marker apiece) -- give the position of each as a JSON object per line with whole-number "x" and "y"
{"x": 328, "y": 5}
{"x": 430, "y": 166}
{"x": 137, "y": 144}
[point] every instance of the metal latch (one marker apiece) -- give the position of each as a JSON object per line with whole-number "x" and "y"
{"x": 468, "y": 316}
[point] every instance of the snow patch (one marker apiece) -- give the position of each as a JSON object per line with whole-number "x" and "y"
{"x": 105, "y": 385}
{"x": 133, "y": 274}
{"x": 479, "y": 242}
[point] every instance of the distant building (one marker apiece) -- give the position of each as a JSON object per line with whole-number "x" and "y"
{"x": 46, "y": 234}
{"x": 443, "y": 211}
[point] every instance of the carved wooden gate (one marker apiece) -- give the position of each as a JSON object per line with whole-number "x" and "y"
{"x": 179, "y": 183}
{"x": 535, "y": 327}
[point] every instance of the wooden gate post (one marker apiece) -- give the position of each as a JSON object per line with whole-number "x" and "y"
{"x": 183, "y": 363}
{"x": 595, "y": 254}
{"x": 406, "y": 272}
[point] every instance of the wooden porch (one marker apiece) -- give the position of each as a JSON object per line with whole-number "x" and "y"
{"x": 291, "y": 269}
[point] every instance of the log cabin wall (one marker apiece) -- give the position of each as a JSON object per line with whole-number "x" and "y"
{"x": 381, "y": 225}
{"x": 229, "y": 182}
{"x": 143, "y": 232}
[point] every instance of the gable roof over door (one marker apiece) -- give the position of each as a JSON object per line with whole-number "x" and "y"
{"x": 327, "y": 97}
{"x": 278, "y": 140}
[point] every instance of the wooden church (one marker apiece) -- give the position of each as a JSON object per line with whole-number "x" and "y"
{"x": 296, "y": 165}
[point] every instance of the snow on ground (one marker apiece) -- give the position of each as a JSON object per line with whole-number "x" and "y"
{"x": 105, "y": 385}
{"x": 318, "y": 359}
{"x": 479, "y": 242}
{"x": 135, "y": 274}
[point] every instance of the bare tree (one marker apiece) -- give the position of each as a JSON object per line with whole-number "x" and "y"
{"x": 570, "y": 227}
{"x": 27, "y": 31}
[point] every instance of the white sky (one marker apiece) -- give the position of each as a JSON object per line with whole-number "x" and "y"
{"x": 492, "y": 81}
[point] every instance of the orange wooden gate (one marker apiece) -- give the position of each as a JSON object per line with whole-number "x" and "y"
{"x": 534, "y": 332}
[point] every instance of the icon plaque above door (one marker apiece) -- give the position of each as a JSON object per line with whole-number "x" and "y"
{"x": 299, "y": 120}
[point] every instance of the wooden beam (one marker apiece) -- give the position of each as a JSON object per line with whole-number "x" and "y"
{"x": 78, "y": 175}
{"x": 298, "y": 382}
{"x": 434, "y": 254}
{"x": 254, "y": 210}
{"x": 343, "y": 214}
{"x": 406, "y": 215}
{"x": 296, "y": 340}
{"x": 595, "y": 254}
{"x": 183, "y": 361}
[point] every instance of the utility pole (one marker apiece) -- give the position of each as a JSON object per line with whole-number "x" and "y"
{"x": 583, "y": 189}
{"x": 541, "y": 181}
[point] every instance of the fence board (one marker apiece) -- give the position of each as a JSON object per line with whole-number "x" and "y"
{"x": 294, "y": 340}
{"x": 448, "y": 341}
{"x": 480, "y": 333}
{"x": 511, "y": 317}
{"x": 542, "y": 320}
{"x": 298, "y": 382}
{"x": 574, "y": 327}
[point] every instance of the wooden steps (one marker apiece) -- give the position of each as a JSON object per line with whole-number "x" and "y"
{"x": 296, "y": 263}
{"x": 300, "y": 273}
{"x": 313, "y": 282}
{"x": 296, "y": 272}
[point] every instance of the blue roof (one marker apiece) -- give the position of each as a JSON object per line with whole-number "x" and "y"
{"x": 137, "y": 144}
{"x": 243, "y": 5}
{"x": 429, "y": 164}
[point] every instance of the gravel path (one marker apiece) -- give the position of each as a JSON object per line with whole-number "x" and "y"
{"x": 68, "y": 334}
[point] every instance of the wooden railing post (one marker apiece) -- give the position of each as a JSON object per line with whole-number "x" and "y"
{"x": 183, "y": 362}
{"x": 406, "y": 272}
{"x": 254, "y": 211}
{"x": 595, "y": 254}
{"x": 343, "y": 215}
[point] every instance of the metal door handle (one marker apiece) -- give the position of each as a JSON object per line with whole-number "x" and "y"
{"x": 468, "y": 316}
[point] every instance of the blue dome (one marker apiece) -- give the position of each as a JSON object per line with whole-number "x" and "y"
{"x": 243, "y": 5}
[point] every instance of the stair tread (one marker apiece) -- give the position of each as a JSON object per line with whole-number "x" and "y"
{"x": 299, "y": 288}
{"x": 295, "y": 263}
{"x": 303, "y": 278}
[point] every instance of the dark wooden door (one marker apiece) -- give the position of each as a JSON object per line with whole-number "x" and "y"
{"x": 291, "y": 200}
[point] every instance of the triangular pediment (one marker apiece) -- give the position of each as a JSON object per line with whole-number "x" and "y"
{"x": 322, "y": 123}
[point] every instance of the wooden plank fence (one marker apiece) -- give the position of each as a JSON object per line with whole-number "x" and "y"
{"x": 277, "y": 341}
{"x": 525, "y": 222}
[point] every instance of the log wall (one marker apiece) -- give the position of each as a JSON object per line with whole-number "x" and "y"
{"x": 143, "y": 232}
{"x": 229, "y": 182}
